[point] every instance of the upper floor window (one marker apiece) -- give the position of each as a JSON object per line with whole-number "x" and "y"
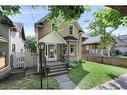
{"x": 71, "y": 28}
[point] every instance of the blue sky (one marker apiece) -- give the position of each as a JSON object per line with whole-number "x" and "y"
{"x": 30, "y": 16}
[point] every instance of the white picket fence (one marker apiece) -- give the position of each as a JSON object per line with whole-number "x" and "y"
{"x": 24, "y": 60}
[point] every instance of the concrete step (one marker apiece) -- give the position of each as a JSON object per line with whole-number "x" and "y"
{"x": 58, "y": 69}
{"x": 57, "y": 66}
{"x": 58, "y": 73}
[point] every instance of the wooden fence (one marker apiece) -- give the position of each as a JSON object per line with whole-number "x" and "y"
{"x": 118, "y": 61}
{"x": 24, "y": 60}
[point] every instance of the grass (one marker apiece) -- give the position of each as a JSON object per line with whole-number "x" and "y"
{"x": 29, "y": 82}
{"x": 91, "y": 74}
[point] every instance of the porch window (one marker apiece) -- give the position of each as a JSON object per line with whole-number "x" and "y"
{"x": 51, "y": 51}
{"x": 72, "y": 49}
{"x": 13, "y": 47}
{"x": 2, "y": 59}
{"x": 71, "y": 29}
{"x": 65, "y": 49}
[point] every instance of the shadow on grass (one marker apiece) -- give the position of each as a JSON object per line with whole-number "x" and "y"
{"x": 78, "y": 73}
{"x": 112, "y": 76}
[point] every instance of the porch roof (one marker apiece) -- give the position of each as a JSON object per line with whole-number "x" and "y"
{"x": 70, "y": 38}
{"x": 53, "y": 38}
{"x": 2, "y": 39}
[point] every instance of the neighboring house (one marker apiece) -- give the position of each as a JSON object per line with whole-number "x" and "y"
{"x": 12, "y": 40}
{"x": 65, "y": 43}
{"x": 5, "y": 26}
{"x": 90, "y": 46}
{"x": 121, "y": 43}
{"x": 18, "y": 40}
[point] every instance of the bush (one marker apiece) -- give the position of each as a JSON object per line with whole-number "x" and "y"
{"x": 125, "y": 53}
{"x": 117, "y": 52}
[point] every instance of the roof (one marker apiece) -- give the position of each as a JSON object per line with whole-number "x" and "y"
{"x": 45, "y": 17}
{"x": 121, "y": 40}
{"x": 20, "y": 28}
{"x": 2, "y": 39}
{"x": 6, "y": 20}
{"x": 70, "y": 38}
{"x": 53, "y": 38}
{"x": 92, "y": 40}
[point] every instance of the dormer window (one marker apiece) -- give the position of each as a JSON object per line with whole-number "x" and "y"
{"x": 71, "y": 28}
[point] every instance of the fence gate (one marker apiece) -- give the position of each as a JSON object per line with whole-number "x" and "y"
{"x": 24, "y": 60}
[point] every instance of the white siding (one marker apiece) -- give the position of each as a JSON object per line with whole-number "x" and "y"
{"x": 18, "y": 41}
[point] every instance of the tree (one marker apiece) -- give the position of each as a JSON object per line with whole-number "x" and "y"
{"x": 68, "y": 13}
{"x": 100, "y": 26}
{"x": 30, "y": 40}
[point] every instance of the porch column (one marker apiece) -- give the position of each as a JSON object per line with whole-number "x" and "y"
{"x": 101, "y": 51}
{"x": 108, "y": 51}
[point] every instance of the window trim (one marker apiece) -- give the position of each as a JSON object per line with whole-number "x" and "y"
{"x": 73, "y": 50}
{"x": 13, "y": 48}
{"x": 72, "y": 29}
{"x": 66, "y": 49}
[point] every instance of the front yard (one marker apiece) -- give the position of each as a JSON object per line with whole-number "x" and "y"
{"x": 29, "y": 82}
{"x": 90, "y": 74}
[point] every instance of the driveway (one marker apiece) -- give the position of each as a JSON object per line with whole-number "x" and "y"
{"x": 115, "y": 84}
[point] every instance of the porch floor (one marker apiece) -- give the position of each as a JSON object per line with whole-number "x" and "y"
{"x": 50, "y": 63}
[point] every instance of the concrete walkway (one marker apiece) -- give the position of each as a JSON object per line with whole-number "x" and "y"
{"x": 117, "y": 83}
{"x": 65, "y": 82}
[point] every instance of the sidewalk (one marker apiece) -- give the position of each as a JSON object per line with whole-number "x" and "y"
{"x": 65, "y": 82}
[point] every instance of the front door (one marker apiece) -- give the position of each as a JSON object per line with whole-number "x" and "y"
{"x": 51, "y": 52}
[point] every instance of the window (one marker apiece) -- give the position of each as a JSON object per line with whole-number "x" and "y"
{"x": 71, "y": 29}
{"x": 13, "y": 47}
{"x": 46, "y": 50}
{"x": 65, "y": 49}
{"x": 2, "y": 59}
{"x": 72, "y": 49}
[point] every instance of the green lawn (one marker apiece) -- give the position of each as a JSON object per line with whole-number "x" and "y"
{"x": 29, "y": 82}
{"x": 91, "y": 74}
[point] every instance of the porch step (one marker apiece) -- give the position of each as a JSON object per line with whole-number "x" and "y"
{"x": 58, "y": 73}
{"x": 57, "y": 66}
{"x": 58, "y": 69}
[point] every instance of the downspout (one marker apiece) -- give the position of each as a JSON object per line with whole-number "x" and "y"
{"x": 68, "y": 51}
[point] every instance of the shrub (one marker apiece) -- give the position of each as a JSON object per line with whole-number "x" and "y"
{"x": 125, "y": 53}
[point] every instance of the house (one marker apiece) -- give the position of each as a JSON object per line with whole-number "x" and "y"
{"x": 12, "y": 40}
{"x": 18, "y": 40}
{"x": 59, "y": 44}
{"x": 5, "y": 26}
{"x": 90, "y": 46}
{"x": 121, "y": 43}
